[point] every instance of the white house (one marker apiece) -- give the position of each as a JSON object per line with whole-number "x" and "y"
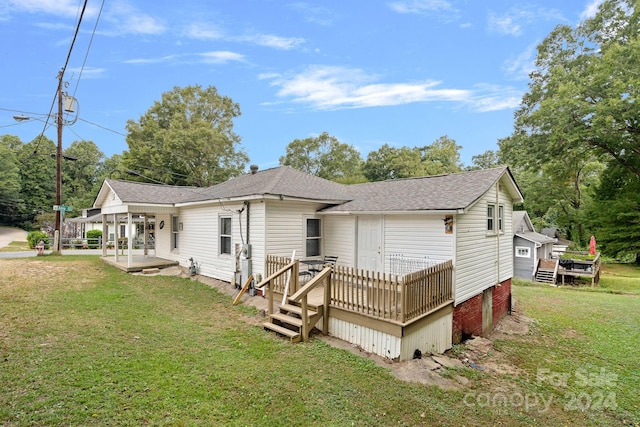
{"x": 385, "y": 227}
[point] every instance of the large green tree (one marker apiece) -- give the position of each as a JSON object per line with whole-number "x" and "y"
{"x": 583, "y": 94}
{"x": 392, "y": 163}
{"x": 81, "y": 184}
{"x": 615, "y": 214}
{"x": 186, "y": 138}
{"x": 10, "y": 184}
{"x": 324, "y": 156}
{"x": 442, "y": 156}
{"x": 579, "y": 113}
{"x": 38, "y": 178}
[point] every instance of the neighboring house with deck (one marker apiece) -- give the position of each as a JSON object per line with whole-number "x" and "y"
{"x": 528, "y": 246}
{"x": 458, "y": 226}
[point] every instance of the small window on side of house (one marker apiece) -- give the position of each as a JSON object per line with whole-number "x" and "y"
{"x": 174, "y": 232}
{"x": 491, "y": 215}
{"x": 501, "y": 218}
{"x": 523, "y": 252}
{"x": 225, "y": 235}
{"x": 313, "y": 237}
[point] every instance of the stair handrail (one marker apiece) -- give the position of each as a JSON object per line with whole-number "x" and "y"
{"x": 302, "y": 295}
{"x": 555, "y": 271}
{"x": 294, "y": 267}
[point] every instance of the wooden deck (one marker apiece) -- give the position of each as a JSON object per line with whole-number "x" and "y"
{"x": 564, "y": 270}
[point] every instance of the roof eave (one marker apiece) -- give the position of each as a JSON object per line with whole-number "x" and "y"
{"x": 395, "y": 212}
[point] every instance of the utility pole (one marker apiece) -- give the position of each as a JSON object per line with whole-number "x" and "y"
{"x": 57, "y": 235}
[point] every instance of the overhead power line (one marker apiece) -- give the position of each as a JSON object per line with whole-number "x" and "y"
{"x": 61, "y": 74}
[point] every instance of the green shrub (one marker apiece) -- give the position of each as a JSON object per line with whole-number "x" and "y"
{"x": 35, "y": 236}
{"x": 93, "y": 237}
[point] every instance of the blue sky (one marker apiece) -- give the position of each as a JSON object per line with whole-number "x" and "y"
{"x": 401, "y": 72}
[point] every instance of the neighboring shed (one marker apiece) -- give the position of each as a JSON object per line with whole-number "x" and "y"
{"x": 528, "y": 246}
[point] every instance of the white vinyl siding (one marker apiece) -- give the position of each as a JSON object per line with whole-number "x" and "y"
{"x": 339, "y": 238}
{"x": 420, "y": 236}
{"x": 286, "y": 225}
{"x": 199, "y": 239}
{"x": 482, "y": 260}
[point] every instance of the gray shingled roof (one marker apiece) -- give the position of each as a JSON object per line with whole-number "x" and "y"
{"x": 439, "y": 192}
{"x": 283, "y": 180}
{"x": 139, "y": 192}
{"x": 532, "y": 236}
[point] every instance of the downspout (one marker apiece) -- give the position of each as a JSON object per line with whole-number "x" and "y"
{"x": 503, "y": 225}
{"x": 248, "y": 205}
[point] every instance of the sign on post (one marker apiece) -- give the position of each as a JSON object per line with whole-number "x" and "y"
{"x": 62, "y": 208}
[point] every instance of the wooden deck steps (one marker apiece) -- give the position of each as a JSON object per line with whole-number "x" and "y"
{"x": 546, "y": 271}
{"x": 288, "y": 320}
{"x": 546, "y": 276}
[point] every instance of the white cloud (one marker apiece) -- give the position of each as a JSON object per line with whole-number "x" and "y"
{"x": 70, "y": 8}
{"x": 420, "y": 6}
{"x": 126, "y": 19}
{"x": 523, "y": 64}
{"x": 220, "y": 57}
{"x": 487, "y": 98}
{"x": 516, "y": 19}
{"x": 87, "y": 72}
{"x": 276, "y": 42}
{"x": 159, "y": 60}
{"x": 591, "y": 9}
{"x": 334, "y": 88}
{"x": 313, "y": 13}
{"x": 204, "y": 31}
{"x": 504, "y": 24}
{"x": 213, "y": 57}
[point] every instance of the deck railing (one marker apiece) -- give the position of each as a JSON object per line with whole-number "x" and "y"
{"x": 278, "y": 284}
{"x": 397, "y": 299}
{"x": 401, "y": 264}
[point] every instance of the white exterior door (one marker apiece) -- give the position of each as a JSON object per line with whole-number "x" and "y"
{"x": 369, "y": 243}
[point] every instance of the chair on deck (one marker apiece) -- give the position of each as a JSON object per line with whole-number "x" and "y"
{"x": 317, "y": 268}
{"x": 328, "y": 260}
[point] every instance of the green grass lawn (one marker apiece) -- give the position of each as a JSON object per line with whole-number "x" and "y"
{"x": 82, "y": 343}
{"x": 17, "y": 246}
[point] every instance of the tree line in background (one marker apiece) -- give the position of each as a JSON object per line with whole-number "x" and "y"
{"x": 574, "y": 151}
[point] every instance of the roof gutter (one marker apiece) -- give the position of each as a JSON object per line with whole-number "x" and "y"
{"x": 416, "y": 212}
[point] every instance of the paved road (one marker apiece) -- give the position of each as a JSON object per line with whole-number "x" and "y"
{"x": 10, "y": 234}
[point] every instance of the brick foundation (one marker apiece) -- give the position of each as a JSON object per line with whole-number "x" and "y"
{"x": 501, "y": 300}
{"x": 467, "y": 317}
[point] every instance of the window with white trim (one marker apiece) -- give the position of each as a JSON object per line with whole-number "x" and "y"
{"x": 523, "y": 252}
{"x": 225, "y": 235}
{"x": 313, "y": 237}
{"x": 175, "y": 230}
{"x": 501, "y": 218}
{"x": 491, "y": 217}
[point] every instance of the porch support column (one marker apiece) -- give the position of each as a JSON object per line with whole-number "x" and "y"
{"x": 105, "y": 231}
{"x": 115, "y": 234}
{"x": 146, "y": 234}
{"x": 129, "y": 240}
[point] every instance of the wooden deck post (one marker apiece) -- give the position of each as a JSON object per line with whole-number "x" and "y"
{"x": 305, "y": 319}
{"x": 327, "y": 304}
